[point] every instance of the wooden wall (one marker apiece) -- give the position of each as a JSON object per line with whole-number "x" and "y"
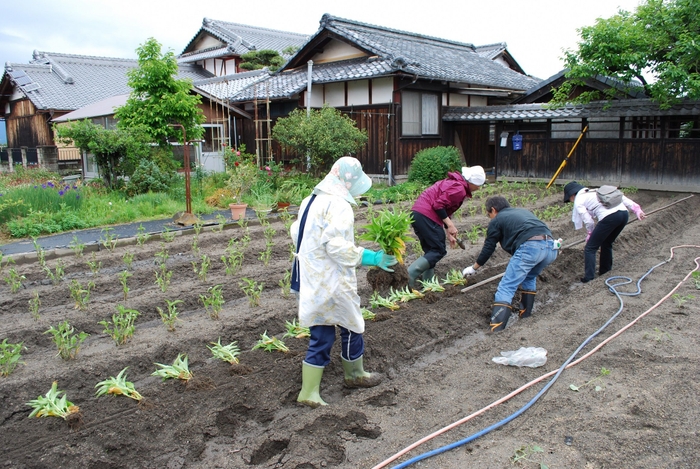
{"x": 26, "y": 128}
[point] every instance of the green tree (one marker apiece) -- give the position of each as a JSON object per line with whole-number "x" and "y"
{"x": 257, "y": 59}
{"x": 158, "y": 98}
{"x": 116, "y": 152}
{"x": 661, "y": 40}
{"x": 324, "y": 136}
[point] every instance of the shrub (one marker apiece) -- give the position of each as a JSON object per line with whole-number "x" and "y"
{"x": 148, "y": 176}
{"x": 432, "y": 164}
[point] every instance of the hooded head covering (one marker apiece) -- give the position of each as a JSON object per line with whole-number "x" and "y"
{"x": 345, "y": 179}
{"x": 570, "y": 189}
{"x": 474, "y": 174}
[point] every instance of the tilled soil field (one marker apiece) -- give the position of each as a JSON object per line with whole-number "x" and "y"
{"x": 435, "y": 354}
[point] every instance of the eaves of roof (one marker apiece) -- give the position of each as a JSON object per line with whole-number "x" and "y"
{"x": 619, "y": 108}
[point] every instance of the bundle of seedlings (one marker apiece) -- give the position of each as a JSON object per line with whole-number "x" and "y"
{"x": 389, "y": 229}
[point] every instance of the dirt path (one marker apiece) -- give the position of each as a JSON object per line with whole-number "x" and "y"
{"x": 436, "y": 357}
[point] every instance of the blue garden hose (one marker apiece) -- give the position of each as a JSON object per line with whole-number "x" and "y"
{"x": 613, "y": 288}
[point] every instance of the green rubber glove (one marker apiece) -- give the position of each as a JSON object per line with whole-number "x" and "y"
{"x": 378, "y": 258}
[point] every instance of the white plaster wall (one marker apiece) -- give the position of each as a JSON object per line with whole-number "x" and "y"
{"x": 358, "y": 92}
{"x": 335, "y": 94}
{"x": 382, "y": 90}
{"x": 336, "y": 50}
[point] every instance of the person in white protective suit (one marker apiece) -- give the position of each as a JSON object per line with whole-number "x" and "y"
{"x": 324, "y": 277}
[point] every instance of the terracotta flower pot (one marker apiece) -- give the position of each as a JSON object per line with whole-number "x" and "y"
{"x": 282, "y": 206}
{"x": 237, "y": 211}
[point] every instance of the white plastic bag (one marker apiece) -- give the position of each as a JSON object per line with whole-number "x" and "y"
{"x": 524, "y": 356}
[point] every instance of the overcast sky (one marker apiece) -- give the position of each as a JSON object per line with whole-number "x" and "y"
{"x": 536, "y": 31}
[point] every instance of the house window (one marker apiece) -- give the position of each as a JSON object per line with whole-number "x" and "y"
{"x": 213, "y": 138}
{"x": 683, "y": 127}
{"x": 643, "y": 127}
{"x": 420, "y": 114}
{"x": 603, "y": 127}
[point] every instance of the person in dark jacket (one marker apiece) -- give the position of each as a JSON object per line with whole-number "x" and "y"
{"x": 431, "y": 218}
{"x": 529, "y": 241}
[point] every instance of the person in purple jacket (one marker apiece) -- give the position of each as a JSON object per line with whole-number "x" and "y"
{"x": 431, "y": 218}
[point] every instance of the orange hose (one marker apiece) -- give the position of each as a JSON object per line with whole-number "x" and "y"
{"x": 537, "y": 380}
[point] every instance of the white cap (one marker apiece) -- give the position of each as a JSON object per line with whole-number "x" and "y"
{"x": 474, "y": 174}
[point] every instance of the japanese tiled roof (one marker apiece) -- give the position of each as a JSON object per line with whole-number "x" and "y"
{"x": 618, "y": 108}
{"x": 239, "y": 39}
{"x": 224, "y": 87}
{"x": 67, "y": 82}
{"x": 426, "y": 57}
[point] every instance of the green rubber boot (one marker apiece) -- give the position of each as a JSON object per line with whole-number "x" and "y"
{"x": 310, "y": 385}
{"x": 428, "y": 274}
{"x": 416, "y": 269}
{"x": 357, "y": 377}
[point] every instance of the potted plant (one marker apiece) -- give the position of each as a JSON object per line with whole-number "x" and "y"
{"x": 243, "y": 175}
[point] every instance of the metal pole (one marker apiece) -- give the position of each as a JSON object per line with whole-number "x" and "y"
{"x": 187, "y": 216}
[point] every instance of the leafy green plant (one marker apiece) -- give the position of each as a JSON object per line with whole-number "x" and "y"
{"x": 233, "y": 258}
{"x": 432, "y": 164}
{"x": 203, "y": 267}
{"x": 286, "y": 283}
{"x": 680, "y": 300}
{"x": 58, "y": 275}
{"x": 475, "y": 233}
{"x": 118, "y": 386}
{"x": 14, "y": 280}
{"x": 455, "y": 277}
{"x": 220, "y": 222}
{"x": 51, "y": 405}
{"x": 10, "y": 355}
{"x": 389, "y": 229}
{"x": 270, "y": 344}
{"x": 81, "y": 295}
{"x": 214, "y": 301}
{"x": 368, "y": 315}
{"x": 598, "y": 379}
{"x": 376, "y": 301}
{"x": 77, "y": 246}
{"x": 141, "y": 235}
{"x": 40, "y": 253}
{"x": 163, "y": 276}
{"x": 696, "y": 279}
{"x": 295, "y": 330}
{"x": 168, "y": 235}
{"x": 526, "y": 454}
{"x": 108, "y": 239}
{"x": 404, "y": 294}
{"x": 252, "y": 290}
{"x": 128, "y": 259}
{"x": 657, "y": 335}
{"x": 34, "y": 305}
{"x": 121, "y": 328}
{"x": 123, "y": 278}
{"x": 170, "y": 317}
{"x": 228, "y": 353}
{"x": 178, "y": 370}
{"x": 432, "y": 285}
{"x": 66, "y": 341}
{"x": 94, "y": 265}
{"x": 162, "y": 255}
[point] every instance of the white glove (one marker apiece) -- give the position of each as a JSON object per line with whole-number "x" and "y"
{"x": 469, "y": 271}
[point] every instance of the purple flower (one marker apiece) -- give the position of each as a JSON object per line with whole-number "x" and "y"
{"x": 60, "y": 193}
{"x": 35, "y": 186}
{"x": 50, "y": 184}
{"x": 43, "y": 186}
{"x": 77, "y": 196}
{"x": 75, "y": 187}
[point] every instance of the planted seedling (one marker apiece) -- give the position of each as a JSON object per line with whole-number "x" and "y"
{"x": 475, "y": 233}
{"x": 77, "y": 246}
{"x": 123, "y": 278}
{"x": 121, "y": 328}
{"x": 598, "y": 379}
{"x": 376, "y": 300}
{"x": 170, "y": 317}
{"x": 286, "y": 283}
{"x": 233, "y": 259}
{"x": 58, "y": 275}
{"x": 94, "y": 265}
{"x": 14, "y": 280}
{"x": 228, "y": 353}
{"x": 680, "y": 300}
{"x": 295, "y": 330}
{"x": 220, "y": 222}
{"x": 404, "y": 295}
{"x": 108, "y": 239}
{"x": 141, "y": 235}
{"x": 118, "y": 386}
{"x": 34, "y": 305}
{"x": 162, "y": 255}
{"x": 203, "y": 268}
{"x": 10, "y": 355}
{"x": 270, "y": 344}
{"x": 252, "y": 290}
{"x": 432, "y": 285}
{"x": 367, "y": 315}
{"x": 81, "y": 295}
{"x": 163, "y": 276}
{"x": 66, "y": 341}
{"x": 40, "y": 253}
{"x": 51, "y": 405}
{"x": 214, "y": 301}
{"x": 657, "y": 335}
{"x": 454, "y": 277}
{"x": 128, "y": 259}
{"x": 178, "y": 370}
{"x": 287, "y": 219}
{"x": 526, "y": 454}
{"x": 168, "y": 235}
{"x": 696, "y": 279}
